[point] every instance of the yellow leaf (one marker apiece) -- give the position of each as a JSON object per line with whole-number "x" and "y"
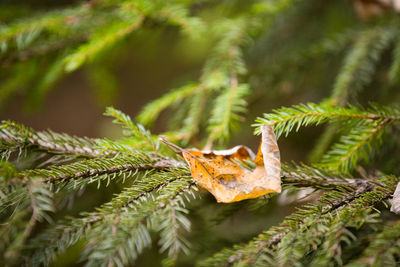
{"x": 221, "y": 173}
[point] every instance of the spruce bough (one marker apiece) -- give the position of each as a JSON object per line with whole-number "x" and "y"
{"x": 157, "y": 192}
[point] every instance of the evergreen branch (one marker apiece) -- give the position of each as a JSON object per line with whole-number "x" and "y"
{"x": 34, "y": 218}
{"x": 13, "y": 196}
{"x": 15, "y": 136}
{"x": 97, "y": 167}
{"x": 131, "y": 128}
{"x": 306, "y": 176}
{"x": 121, "y": 119}
{"x": 14, "y": 204}
{"x": 135, "y": 219}
{"x": 172, "y": 220}
{"x": 329, "y": 203}
{"x": 227, "y": 109}
{"x": 11, "y": 232}
{"x": 39, "y": 202}
{"x": 382, "y": 250}
{"x": 49, "y": 47}
{"x": 145, "y": 187}
{"x": 345, "y": 200}
{"x": 220, "y": 71}
{"x": 362, "y": 55}
{"x": 360, "y": 63}
{"x": 192, "y": 121}
{"x": 179, "y": 15}
{"x": 227, "y": 57}
{"x": 101, "y": 41}
{"x": 287, "y": 119}
{"x": 63, "y": 143}
{"x": 394, "y": 72}
{"x": 369, "y": 192}
{"x": 130, "y": 209}
{"x": 25, "y": 31}
{"x": 359, "y": 143}
{"x": 129, "y": 145}
{"x": 328, "y": 45}
{"x": 154, "y": 201}
{"x": 151, "y": 111}
{"x": 324, "y": 234}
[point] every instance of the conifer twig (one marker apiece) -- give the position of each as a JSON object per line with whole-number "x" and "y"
{"x": 18, "y": 135}
{"x": 162, "y": 164}
{"x": 372, "y": 192}
{"x": 362, "y": 187}
{"x": 35, "y": 214}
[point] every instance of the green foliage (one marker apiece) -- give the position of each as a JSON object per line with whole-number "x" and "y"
{"x": 122, "y": 202}
{"x": 130, "y": 129}
{"x": 21, "y": 34}
{"x": 17, "y": 137}
{"x": 308, "y": 230}
{"x": 383, "y": 249}
{"x": 101, "y": 40}
{"x": 362, "y": 129}
{"x": 360, "y": 63}
{"x": 152, "y": 110}
{"x": 226, "y": 113}
{"x": 171, "y": 221}
{"x": 359, "y": 143}
{"x": 126, "y": 219}
{"x": 179, "y": 15}
{"x": 395, "y": 68}
{"x": 155, "y": 198}
{"x": 287, "y": 119}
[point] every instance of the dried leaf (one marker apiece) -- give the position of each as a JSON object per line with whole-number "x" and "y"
{"x": 396, "y": 200}
{"x": 223, "y": 175}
